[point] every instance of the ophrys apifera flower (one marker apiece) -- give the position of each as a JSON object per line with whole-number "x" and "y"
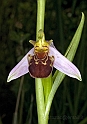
{"x": 41, "y": 59}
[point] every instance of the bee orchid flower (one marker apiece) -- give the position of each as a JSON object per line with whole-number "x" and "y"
{"x": 41, "y": 59}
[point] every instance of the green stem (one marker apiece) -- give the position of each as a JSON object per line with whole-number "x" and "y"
{"x": 40, "y": 101}
{"x": 40, "y": 15}
{"x": 38, "y": 81}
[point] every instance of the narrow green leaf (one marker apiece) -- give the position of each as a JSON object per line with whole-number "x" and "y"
{"x": 47, "y": 85}
{"x": 0, "y": 121}
{"x": 15, "y": 118}
{"x": 70, "y": 53}
{"x": 84, "y": 121}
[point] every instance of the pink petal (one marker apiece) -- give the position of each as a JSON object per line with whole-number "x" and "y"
{"x": 64, "y": 65}
{"x": 21, "y": 68}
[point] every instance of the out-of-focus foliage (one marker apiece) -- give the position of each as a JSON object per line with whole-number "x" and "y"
{"x": 17, "y": 27}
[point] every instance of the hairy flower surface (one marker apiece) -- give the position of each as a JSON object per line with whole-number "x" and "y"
{"x": 41, "y": 59}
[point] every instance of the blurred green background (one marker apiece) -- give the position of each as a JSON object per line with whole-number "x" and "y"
{"x": 17, "y": 27}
